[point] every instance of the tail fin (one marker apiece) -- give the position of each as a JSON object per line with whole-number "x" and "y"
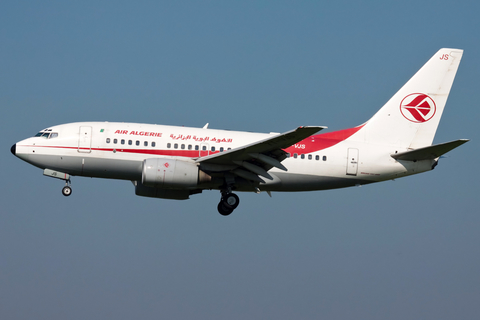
{"x": 411, "y": 117}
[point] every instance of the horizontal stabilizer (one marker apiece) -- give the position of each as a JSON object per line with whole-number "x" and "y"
{"x": 429, "y": 153}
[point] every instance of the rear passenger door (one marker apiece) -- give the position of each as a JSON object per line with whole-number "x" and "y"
{"x": 352, "y": 161}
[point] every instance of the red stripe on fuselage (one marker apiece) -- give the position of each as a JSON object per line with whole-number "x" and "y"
{"x": 157, "y": 152}
{"x": 311, "y": 144}
{"x": 322, "y": 141}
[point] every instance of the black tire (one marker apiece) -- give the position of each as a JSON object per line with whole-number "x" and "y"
{"x": 66, "y": 191}
{"x": 223, "y": 210}
{"x": 231, "y": 200}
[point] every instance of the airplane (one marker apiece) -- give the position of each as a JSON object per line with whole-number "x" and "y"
{"x": 172, "y": 162}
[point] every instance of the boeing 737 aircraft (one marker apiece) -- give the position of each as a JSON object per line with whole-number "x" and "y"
{"x": 172, "y": 162}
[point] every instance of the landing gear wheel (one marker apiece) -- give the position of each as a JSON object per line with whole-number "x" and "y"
{"x": 223, "y": 209}
{"x": 228, "y": 203}
{"x": 66, "y": 191}
{"x": 231, "y": 200}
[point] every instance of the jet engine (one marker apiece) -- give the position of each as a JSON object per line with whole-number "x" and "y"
{"x": 172, "y": 173}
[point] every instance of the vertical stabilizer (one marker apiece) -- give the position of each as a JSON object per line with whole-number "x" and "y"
{"x": 411, "y": 117}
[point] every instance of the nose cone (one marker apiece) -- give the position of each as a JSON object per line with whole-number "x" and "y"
{"x": 13, "y": 149}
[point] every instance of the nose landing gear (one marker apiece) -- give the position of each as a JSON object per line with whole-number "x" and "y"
{"x": 67, "y": 190}
{"x": 228, "y": 203}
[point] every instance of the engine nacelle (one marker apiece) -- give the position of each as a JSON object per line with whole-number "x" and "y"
{"x": 172, "y": 173}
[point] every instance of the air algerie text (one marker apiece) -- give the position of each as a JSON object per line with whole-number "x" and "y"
{"x": 139, "y": 133}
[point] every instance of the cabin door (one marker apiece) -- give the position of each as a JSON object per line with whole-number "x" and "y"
{"x": 352, "y": 161}
{"x": 85, "y": 140}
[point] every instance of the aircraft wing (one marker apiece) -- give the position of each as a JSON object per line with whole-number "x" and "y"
{"x": 257, "y": 158}
{"x": 430, "y": 152}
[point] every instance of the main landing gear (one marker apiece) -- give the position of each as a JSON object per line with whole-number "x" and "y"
{"x": 228, "y": 203}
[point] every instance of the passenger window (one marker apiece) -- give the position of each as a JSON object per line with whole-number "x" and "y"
{"x": 169, "y": 145}
{"x": 182, "y": 146}
{"x": 108, "y": 140}
{"x": 204, "y": 148}
{"x": 175, "y": 146}
{"x": 129, "y": 142}
{"x": 317, "y": 157}
{"x": 189, "y": 147}
{"x": 137, "y": 143}
{"x": 153, "y": 144}
{"x": 324, "y": 158}
{"x": 309, "y": 157}
{"x": 295, "y": 155}
{"x": 302, "y": 156}
{"x": 196, "y": 147}
{"x": 122, "y": 141}
{"x": 221, "y": 149}
{"x": 145, "y": 143}
{"x": 115, "y": 141}
{"x": 288, "y": 155}
{"x": 213, "y": 149}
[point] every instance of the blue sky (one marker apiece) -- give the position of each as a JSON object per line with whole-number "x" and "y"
{"x": 404, "y": 249}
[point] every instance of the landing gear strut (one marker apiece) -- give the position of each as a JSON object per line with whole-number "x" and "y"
{"x": 228, "y": 203}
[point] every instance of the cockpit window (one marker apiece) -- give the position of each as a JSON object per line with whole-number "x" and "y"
{"x": 47, "y": 134}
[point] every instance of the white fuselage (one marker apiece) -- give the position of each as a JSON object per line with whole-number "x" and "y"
{"x": 118, "y": 150}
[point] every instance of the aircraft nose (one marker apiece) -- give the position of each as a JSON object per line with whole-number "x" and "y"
{"x": 13, "y": 149}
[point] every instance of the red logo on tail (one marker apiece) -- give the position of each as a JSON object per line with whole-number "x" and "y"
{"x": 418, "y": 107}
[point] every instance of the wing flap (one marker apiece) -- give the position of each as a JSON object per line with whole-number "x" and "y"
{"x": 281, "y": 141}
{"x": 255, "y": 159}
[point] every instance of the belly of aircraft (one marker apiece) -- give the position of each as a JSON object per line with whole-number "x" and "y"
{"x": 90, "y": 167}
{"x": 307, "y": 182}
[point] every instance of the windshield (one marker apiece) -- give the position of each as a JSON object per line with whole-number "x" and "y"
{"x": 47, "y": 134}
